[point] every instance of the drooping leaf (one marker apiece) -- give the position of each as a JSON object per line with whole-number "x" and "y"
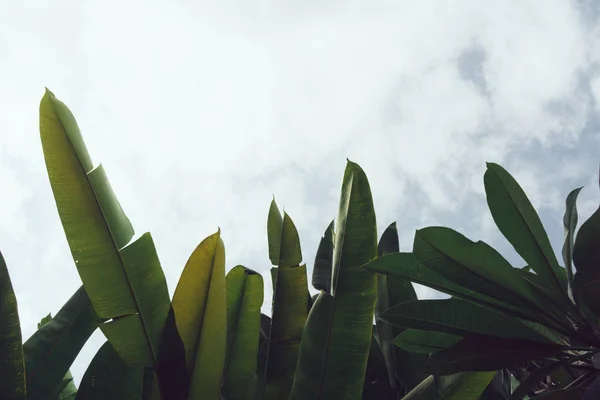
{"x": 244, "y": 300}
{"x": 520, "y": 224}
{"x": 477, "y": 266}
{"x": 51, "y": 350}
{"x": 124, "y": 284}
{"x": 200, "y": 309}
{"x": 321, "y": 277}
{"x": 12, "y": 366}
{"x": 406, "y": 266}
{"x": 326, "y": 368}
{"x": 290, "y": 305}
{"x": 570, "y": 223}
{"x": 108, "y": 377}
{"x": 428, "y": 342}
{"x": 458, "y": 317}
{"x": 488, "y": 353}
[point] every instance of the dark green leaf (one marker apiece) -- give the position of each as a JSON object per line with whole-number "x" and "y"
{"x": 520, "y": 224}
{"x": 348, "y": 316}
{"x": 406, "y": 266}
{"x": 51, "y": 350}
{"x": 321, "y": 277}
{"x": 586, "y": 256}
{"x": 108, "y": 377}
{"x": 570, "y": 223}
{"x": 488, "y": 353}
{"x": 458, "y": 317}
{"x": 12, "y": 366}
{"x": 533, "y": 379}
{"x": 418, "y": 341}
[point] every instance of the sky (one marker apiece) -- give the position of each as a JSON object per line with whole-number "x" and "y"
{"x": 201, "y": 111}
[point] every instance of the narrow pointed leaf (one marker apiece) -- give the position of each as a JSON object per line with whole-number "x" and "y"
{"x": 12, "y": 366}
{"x": 51, "y": 350}
{"x": 458, "y": 317}
{"x": 200, "y": 309}
{"x": 108, "y": 377}
{"x": 127, "y": 284}
{"x": 244, "y": 300}
{"x": 520, "y": 224}
{"x": 570, "y": 223}
{"x": 418, "y": 341}
{"x": 488, "y": 353}
{"x": 321, "y": 277}
{"x": 337, "y": 372}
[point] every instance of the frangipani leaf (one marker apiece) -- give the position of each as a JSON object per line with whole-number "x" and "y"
{"x": 520, "y": 224}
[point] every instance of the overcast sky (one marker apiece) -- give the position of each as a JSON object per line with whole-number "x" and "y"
{"x": 201, "y": 111}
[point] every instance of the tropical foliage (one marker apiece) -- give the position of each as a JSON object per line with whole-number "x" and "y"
{"x": 505, "y": 332}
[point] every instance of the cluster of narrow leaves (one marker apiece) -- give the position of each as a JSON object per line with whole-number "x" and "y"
{"x": 539, "y": 322}
{"x": 505, "y": 332}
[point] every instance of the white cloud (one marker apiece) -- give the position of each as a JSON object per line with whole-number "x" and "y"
{"x": 200, "y": 111}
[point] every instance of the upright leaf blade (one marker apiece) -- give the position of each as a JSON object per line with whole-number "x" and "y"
{"x": 321, "y": 277}
{"x": 327, "y": 369}
{"x": 290, "y": 306}
{"x": 570, "y": 223}
{"x": 393, "y": 290}
{"x": 520, "y": 224}
{"x": 127, "y": 284}
{"x": 52, "y": 349}
{"x": 12, "y": 366}
{"x": 244, "y": 300}
{"x": 200, "y": 310}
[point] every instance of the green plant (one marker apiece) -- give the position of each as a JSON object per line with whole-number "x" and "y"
{"x": 210, "y": 340}
{"x": 540, "y": 322}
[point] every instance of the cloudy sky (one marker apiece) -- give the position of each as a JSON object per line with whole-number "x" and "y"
{"x": 201, "y": 111}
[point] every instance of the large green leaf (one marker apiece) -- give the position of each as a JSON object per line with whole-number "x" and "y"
{"x": 586, "y": 255}
{"x": 108, "y": 377}
{"x": 51, "y": 350}
{"x": 477, "y": 266}
{"x": 392, "y": 290}
{"x": 488, "y": 353}
{"x": 405, "y": 265}
{"x": 377, "y": 381}
{"x": 520, "y": 224}
{"x": 124, "y": 284}
{"x": 290, "y": 304}
{"x": 321, "y": 276}
{"x": 12, "y": 366}
{"x": 570, "y": 223}
{"x": 244, "y": 300}
{"x": 458, "y": 317}
{"x": 418, "y": 341}
{"x": 327, "y": 368}
{"x": 200, "y": 309}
